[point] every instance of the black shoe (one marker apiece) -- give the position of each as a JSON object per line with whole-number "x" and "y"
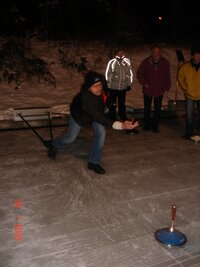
{"x": 96, "y": 168}
{"x": 52, "y": 152}
{"x": 47, "y": 144}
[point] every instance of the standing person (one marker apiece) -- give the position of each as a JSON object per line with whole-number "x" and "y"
{"x": 87, "y": 110}
{"x": 119, "y": 78}
{"x": 189, "y": 79}
{"x": 154, "y": 76}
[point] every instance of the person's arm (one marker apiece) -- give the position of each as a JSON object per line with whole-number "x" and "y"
{"x": 182, "y": 78}
{"x": 141, "y": 74}
{"x": 130, "y": 76}
{"x": 167, "y": 76}
{"x": 129, "y": 72}
{"x": 94, "y": 110}
{"x": 108, "y": 72}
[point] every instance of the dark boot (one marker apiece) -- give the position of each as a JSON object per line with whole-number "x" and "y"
{"x": 96, "y": 168}
{"x": 47, "y": 144}
{"x": 52, "y": 152}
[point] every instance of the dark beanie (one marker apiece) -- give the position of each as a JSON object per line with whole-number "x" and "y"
{"x": 195, "y": 50}
{"x": 91, "y": 78}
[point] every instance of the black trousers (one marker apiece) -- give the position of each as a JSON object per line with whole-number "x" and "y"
{"x": 115, "y": 95}
{"x": 154, "y": 122}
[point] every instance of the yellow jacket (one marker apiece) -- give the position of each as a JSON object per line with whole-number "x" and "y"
{"x": 189, "y": 80}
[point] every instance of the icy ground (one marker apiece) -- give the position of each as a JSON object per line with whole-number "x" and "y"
{"x": 72, "y": 217}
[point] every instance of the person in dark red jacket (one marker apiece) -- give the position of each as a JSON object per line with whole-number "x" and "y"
{"x": 87, "y": 110}
{"x": 154, "y": 76}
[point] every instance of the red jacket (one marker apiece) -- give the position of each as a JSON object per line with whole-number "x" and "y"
{"x": 155, "y": 78}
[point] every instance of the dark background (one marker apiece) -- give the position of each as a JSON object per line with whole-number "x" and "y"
{"x": 126, "y": 21}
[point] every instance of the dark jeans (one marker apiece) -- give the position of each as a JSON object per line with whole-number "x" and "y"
{"x": 147, "y": 111}
{"x": 191, "y": 124}
{"x": 72, "y": 133}
{"x": 115, "y": 95}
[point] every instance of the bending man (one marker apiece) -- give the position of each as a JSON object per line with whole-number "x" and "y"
{"x": 87, "y": 110}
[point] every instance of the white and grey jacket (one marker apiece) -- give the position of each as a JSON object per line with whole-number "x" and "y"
{"x": 118, "y": 73}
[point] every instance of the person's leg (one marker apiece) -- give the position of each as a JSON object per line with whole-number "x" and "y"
{"x": 147, "y": 112}
{"x": 112, "y": 104}
{"x": 69, "y": 136}
{"x": 198, "y": 116}
{"x": 98, "y": 143}
{"x": 189, "y": 117}
{"x": 157, "y": 112}
{"x": 97, "y": 148}
{"x": 121, "y": 104}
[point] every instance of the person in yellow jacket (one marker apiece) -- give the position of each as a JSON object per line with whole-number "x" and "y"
{"x": 189, "y": 80}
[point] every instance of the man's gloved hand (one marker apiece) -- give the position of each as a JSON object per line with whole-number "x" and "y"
{"x": 128, "y": 88}
{"x": 129, "y": 125}
{"x": 126, "y": 125}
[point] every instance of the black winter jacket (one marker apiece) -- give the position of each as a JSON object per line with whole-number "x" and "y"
{"x": 87, "y": 108}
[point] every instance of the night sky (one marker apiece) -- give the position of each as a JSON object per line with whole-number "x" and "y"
{"x": 148, "y": 21}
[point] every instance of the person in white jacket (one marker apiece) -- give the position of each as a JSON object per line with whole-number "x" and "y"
{"x": 119, "y": 78}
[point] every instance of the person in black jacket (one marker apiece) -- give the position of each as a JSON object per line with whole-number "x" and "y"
{"x": 87, "y": 110}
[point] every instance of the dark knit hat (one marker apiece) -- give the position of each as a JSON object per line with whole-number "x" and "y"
{"x": 91, "y": 78}
{"x": 195, "y": 50}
